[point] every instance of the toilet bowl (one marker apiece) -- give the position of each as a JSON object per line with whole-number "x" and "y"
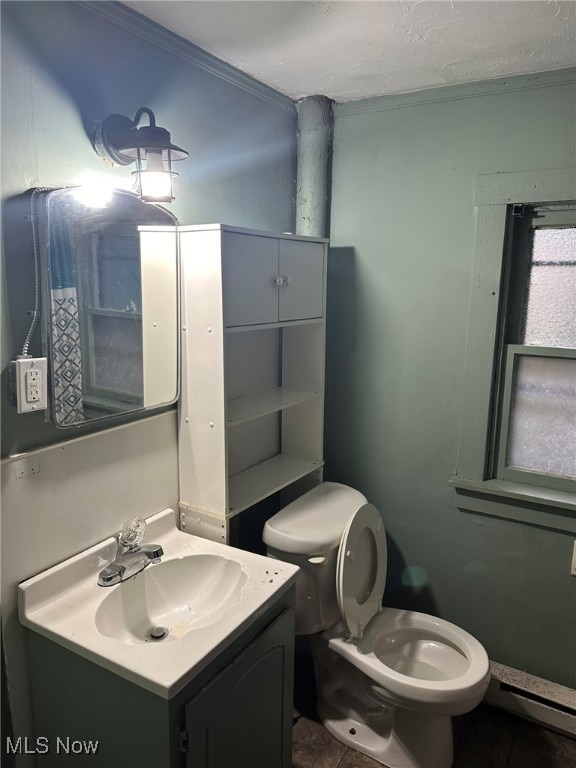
{"x": 388, "y": 680}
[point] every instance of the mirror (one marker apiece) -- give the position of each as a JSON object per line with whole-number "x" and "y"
{"x": 110, "y": 303}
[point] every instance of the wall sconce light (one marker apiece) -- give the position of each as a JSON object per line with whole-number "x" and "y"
{"x": 120, "y": 140}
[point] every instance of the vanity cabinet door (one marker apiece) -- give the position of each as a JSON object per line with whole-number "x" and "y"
{"x": 301, "y": 265}
{"x": 249, "y": 273}
{"x": 243, "y": 717}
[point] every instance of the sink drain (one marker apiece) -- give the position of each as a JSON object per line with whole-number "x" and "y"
{"x": 158, "y": 633}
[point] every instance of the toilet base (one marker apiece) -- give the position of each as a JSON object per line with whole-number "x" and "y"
{"x": 354, "y": 710}
{"x": 397, "y": 739}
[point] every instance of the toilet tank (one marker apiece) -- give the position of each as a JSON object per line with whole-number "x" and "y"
{"x": 307, "y": 533}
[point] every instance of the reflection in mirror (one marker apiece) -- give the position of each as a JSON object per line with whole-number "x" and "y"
{"x": 110, "y": 303}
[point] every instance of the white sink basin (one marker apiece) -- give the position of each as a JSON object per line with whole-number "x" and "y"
{"x": 197, "y": 600}
{"x": 175, "y": 596}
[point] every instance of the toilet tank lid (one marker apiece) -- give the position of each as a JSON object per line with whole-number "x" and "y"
{"x": 313, "y": 524}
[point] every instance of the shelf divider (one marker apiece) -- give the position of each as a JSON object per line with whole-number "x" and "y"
{"x": 251, "y": 406}
{"x": 256, "y": 483}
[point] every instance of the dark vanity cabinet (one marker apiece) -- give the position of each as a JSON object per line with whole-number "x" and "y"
{"x": 242, "y": 718}
{"x": 235, "y": 713}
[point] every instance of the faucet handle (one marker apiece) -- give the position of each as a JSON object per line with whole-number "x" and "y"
{"x": 132, "y": 532}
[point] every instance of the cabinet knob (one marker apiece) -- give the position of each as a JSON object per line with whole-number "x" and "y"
{"x": 286, "y": 280}
{"x": 279, "y": 281}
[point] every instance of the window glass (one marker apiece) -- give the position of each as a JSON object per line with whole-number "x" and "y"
{"x": 118, "y": 270}
{"x": 117, "y": 347}
{"x": 550, "y": 309}
{"x": 542, "y": 434}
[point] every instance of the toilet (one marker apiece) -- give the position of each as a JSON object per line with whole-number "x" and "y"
{"x": 388, "y": 680}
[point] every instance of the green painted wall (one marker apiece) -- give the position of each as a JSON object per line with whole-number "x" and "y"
{"x": 400, "y": 282}
{"x": 65, "y": 66}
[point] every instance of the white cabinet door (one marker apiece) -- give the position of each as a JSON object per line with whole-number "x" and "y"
{"x": 249, "y": 273}
{"x": 267, "y": 280}
{"x": 301, "y": 265}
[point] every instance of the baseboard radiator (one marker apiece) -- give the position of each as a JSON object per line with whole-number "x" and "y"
{"x": 548, "y": 704}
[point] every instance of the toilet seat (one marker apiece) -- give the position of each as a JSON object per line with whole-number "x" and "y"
{"x": 465, "y": 682}
{"x": 374, "y": 635}
{"x": 361, "y": 569}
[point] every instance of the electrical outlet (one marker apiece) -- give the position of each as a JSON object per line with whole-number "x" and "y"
{"x": 573, "y": 571}
{"x": 31, "y": 379}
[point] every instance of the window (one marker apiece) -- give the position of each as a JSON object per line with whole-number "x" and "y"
{"x": 515, "y": 438}
{"x": 114, "y": 319}
{"x": 534, "y": 434}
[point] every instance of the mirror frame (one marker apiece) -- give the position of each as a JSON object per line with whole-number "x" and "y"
{"x": 151, "y": 229}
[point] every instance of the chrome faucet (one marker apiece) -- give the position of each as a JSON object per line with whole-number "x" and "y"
{"x": 131, "y": 558}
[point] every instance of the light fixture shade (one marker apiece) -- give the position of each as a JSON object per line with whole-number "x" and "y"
{"x": 119, "y": 139}
{"x": 154, "y": 176}
{"x": 149, "y": 138}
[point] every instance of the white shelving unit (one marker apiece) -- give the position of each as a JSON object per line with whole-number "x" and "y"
{"x": 252, "y": 399}
{"x": 260, "y": 403}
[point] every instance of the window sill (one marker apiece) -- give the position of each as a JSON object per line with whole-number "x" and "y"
{"x": 521, "y": 503}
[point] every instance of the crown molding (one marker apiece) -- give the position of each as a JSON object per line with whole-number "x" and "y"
{"x": 457, "y": 92}
{"x": 148, "y": 30}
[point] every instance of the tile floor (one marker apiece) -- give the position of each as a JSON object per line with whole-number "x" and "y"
{"x": 485, "y": 738}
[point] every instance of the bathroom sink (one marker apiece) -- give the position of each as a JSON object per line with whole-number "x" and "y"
{"x": 160, "y": 628}
{"x": 170, "y": 599}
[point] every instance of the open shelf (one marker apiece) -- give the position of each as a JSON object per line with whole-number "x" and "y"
{"x": 256, "y": 483}
{"x": 261, "y": 403}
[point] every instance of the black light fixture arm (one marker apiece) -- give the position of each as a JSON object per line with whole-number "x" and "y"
{"x": 144, "y": 111}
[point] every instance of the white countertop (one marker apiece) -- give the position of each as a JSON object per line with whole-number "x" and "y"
{"x": 62, "y": 603}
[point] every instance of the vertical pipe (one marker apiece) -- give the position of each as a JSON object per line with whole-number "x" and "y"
{"x": 314, "y": 157}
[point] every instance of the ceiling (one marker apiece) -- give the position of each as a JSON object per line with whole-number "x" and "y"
{"x": 350, "y": 50}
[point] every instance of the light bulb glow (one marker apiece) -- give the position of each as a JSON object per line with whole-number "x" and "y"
{"x": 155, "y": 185}
{"x": 94, "y": 191}
{"x": 155, "y": 181}
{"x": 154, "y": 162}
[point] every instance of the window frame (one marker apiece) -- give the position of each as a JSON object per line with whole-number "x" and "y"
{"x": 476, "y": 487}
{"x": 502, "y": 470}
{"x": 517, "y": 264}
{"x": 519, "y": 256}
